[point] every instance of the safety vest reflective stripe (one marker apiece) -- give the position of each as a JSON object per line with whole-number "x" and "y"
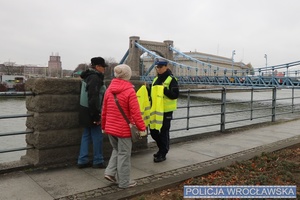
{"x": 157, "y": 108}
{"x": 143, "y": 99}
{"x": 146, "y": 114}
{"x": 155, "y": 122}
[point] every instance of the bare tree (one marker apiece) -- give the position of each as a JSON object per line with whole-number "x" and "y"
{"x": 111, "y": 62}
{"x": 81, "y": 67}
{"x": 251, "y": 69}
{"x": 9, "y": 68}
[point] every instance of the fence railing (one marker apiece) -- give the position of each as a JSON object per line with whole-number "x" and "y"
{"x": 227, "y": 110}
{"x": 221, "y": 111}
{"x": 6, "y": 134}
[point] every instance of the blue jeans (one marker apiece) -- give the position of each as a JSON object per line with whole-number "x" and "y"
{"x": 94, "y": 135}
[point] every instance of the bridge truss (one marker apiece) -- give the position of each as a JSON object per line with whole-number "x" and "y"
{"x": 247, "y": 81}
{"x": 266, "y": 75}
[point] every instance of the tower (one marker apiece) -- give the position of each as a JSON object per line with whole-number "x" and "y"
{"x": 54, "y": 66}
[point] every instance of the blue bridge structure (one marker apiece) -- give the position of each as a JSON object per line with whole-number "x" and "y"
{"x": 193, "y": 71}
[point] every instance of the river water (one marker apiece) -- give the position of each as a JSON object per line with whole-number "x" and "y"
{"x": 10, "y": 106}
{"x": 262, "y": 102}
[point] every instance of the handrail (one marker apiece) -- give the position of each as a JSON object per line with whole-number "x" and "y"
{"x": 223, "y": 111}
{"x": 16, "y": 94}
{"x": 15, "y": 116}
{"x": 16, "y": 133}
{"x": 16, "y": 149}
{"x": 271, "y": 110}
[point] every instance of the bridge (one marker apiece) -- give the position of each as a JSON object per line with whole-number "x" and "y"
{"x": 53, "y": 140}
{"x": 191, "y": 70}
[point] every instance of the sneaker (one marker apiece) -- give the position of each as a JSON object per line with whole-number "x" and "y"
{"x": 110, "y": 178}
{"x": 155, "y": 155}
{"x": 100, "y": 165}
{"x": 131, "y": 184}
{"x": 81, "y": 166}
{"x": 160, "y": 158}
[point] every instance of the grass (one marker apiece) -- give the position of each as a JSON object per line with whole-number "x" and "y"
{"x": 276, "y": 168}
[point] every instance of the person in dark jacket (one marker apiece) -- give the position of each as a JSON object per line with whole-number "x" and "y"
{"x": 165, "y": 88}
{"x": 92, "y": 92}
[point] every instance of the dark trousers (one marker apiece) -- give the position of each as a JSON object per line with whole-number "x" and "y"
{"x": 162, "y": 137}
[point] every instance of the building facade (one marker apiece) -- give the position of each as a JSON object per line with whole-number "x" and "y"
{"x": 54, "y": 66}
{"x": 214, "y": 65}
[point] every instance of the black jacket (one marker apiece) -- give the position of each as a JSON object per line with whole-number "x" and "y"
{"x": 92, "y": 113}
{"x": 173, "y": 91}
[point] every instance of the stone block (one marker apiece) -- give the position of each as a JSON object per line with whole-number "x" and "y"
{"x": 59, "y": 155}
{"x": 53, "y": 85}
{"x": 57, "y": 134}
{"x": 54, "y": 138}
{"x": 53, "y": 121}
{"x": 53, "y": 103}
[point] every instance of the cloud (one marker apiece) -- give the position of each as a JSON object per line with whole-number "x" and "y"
{"x": 78, "y": 30}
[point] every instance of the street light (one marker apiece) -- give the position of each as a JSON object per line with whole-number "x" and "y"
{"x": 266, "y": 57}
{"x": 233, "y": 53}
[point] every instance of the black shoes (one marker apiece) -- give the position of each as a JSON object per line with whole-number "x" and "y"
{"x": 81, "y": 166}
{"x": 100, "y": 166}
{"x": 158, "y": 157}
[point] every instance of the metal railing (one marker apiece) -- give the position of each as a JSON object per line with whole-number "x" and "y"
{"x": 6, "y": 134}
{"x": 215, "y": 112}
{"x": 251, "y": 109}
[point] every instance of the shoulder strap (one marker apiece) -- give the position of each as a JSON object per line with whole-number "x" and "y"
{"x": 121, "y": 110}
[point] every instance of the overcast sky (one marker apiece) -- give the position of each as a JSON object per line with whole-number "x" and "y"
{"x": 31, "y": 30}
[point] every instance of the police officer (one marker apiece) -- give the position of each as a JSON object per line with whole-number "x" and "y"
{"x": 164, "y": 92}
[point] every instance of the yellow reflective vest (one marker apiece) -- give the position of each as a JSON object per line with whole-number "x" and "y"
{"x": 143, "y": 99}
{"x": 169, "y": 104}
{"x": 157, "y": 107}
{"x": 160, "y": 103}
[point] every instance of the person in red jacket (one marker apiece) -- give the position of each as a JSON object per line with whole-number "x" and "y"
{"x": 114, "y": 124}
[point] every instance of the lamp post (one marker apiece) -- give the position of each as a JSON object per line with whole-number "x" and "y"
{"x": 266, "y": 57}
{"x": 233, "y": 53}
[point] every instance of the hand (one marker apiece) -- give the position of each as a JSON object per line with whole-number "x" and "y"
{"x": 97, "y": 123}
{"x": 143, "y": 133}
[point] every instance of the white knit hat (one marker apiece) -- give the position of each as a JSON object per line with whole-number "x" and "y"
{"x": 122, "y": 71}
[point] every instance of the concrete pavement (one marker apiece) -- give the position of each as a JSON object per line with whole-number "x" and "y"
{"x": 195, "y": 156}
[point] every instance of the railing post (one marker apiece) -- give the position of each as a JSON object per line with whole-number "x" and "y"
{"x": 188, "y": 110}
{"x": 274, "y": 104}
{"x": 293, "y": 99}
{"x": 251, "y": 104}
{"x": 223, "y": 109}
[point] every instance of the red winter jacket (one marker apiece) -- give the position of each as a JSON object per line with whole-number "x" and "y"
{"x": 112, "y": 121}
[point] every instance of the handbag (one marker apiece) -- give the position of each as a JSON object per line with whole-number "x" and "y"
{"x": 135, "y": 134}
